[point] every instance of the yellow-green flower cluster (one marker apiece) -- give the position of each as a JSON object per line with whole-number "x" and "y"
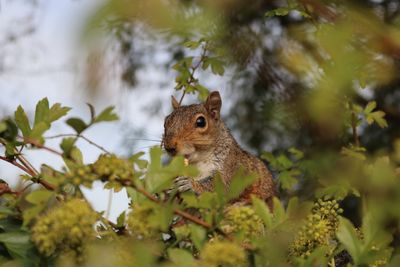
{"x": 81, "y": 175}
{"x": 65, "y": 228}
{"x": 110, "y": 168}
{"x": 223, "y": 254}
{"x": 242, "y": 220}
{"x": 141, "y": 222}
{"x": 319, "y": 229}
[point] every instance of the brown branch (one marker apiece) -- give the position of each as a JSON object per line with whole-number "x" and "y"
{"x": 38, "y": 145}
{"x": 177, "y": 211}
{"x": 32, "y": 172}
{"x": 16, "y": 164}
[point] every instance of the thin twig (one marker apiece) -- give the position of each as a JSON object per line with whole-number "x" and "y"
{"x": 15, "y": 163}
{"x": 28, "y": 169}
{"x": 80, "y": 136}
{"x": 94, "y": 144}
{"x": 183, "y": 95}
{"x": 38, "y": 145}
{"x": 109, "y": 204}
{"x": 192, "y": 79}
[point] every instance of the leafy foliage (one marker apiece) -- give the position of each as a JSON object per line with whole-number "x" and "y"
{"x": 54, "y": 224}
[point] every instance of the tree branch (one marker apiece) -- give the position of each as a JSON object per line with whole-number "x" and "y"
{"x": 177, "y": 211}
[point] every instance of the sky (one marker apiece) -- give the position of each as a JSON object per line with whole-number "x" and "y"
{"x": 41, "y": 56}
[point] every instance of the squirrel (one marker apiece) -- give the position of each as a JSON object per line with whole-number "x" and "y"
{"x": 197, "y": 132}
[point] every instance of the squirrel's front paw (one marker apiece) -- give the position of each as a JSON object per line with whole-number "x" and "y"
{"x": 183, "y": 184}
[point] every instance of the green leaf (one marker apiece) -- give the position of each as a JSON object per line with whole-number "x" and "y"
{"x": 373, "y": 234}
{"x": 378, "y": 117}
{"x": 39, "y": 197}
{"x": 198, "y": 235}
{"x": 38, "y": 131}
{"x": 239, "y": 183}
{"x": 141, "y": 163}
{"x": 40, "y": 200}
{"x": 292, "y": 207}
{"x": 288, "y": 179}
{"x": 77, "y": 124}
{"x": 22, "y": 121}
{"x": 10, "y": 150}
{"x": 106, "y": 115}
{"x": 263, "y": 211}
{"x": 219, "y": 188}
{"x": 164, "y": 216}
{"x": 348, "y": 237}
{"x": 206, "y": 63}
{"x": 56, "y": 112}
{"x": 42, "y": 111}
{"x": 203, "y": 91}
{"x": 92, "y": 111}
{"x": 284, "y": 162}
{"x": 17, "y": 243}
{"x": 3, "y": 126}
{"x": 296, "y": 153}
{"x": 268, "y": 156}
{"x": 370, "y": 107}
{"x": 279, "y": 212}
{"x": 67, "y": 144}
{"x": 10, "y": 132}
{"x": 121, "y": 219}
{"x": 76, "y": 155}
{"x": 217, "y": 66}
{"x": 10, "y": 224}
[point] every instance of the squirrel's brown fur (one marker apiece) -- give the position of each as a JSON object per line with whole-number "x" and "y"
{"x": 213, "y": 149}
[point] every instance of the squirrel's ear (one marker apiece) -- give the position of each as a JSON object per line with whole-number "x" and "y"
{"x": 213, "y": 104}
{"x": 174, "y": 102}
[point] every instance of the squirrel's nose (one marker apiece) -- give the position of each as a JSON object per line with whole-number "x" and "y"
{"x": 171, "y": 150}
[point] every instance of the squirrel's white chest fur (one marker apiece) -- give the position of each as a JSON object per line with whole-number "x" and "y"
{"x": 205, "y": 169}
{"x": 206, "y": 166}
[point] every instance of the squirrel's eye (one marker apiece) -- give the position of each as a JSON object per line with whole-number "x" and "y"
{"x": 201, "y": 122}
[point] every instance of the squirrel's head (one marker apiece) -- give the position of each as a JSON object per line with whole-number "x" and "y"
{"x": 192, "y": 130}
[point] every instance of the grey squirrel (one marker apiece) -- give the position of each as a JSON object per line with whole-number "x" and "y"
{"x": 198, "y": 133}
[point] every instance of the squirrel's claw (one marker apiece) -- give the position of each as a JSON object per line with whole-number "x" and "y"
{"x": 183, "y": 184}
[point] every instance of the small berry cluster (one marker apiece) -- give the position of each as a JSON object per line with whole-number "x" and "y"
{"x": 65, "y": 228}
{"x": 81, "y": 175}
{"x": 319, "y": 229}
{"x": 242, "y": 220}
{"x": 141, "y": 222}
{"x": 223, "y": 254}
{"x": 111, "y": 168}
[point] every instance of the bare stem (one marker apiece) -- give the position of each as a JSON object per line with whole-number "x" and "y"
{"x": 38, "y": 145}
{"x": 80, "y": 136}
